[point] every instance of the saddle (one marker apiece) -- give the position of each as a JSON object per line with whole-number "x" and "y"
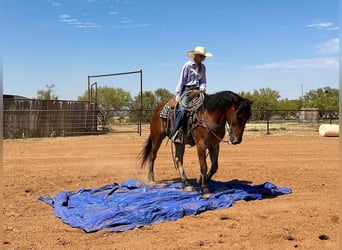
{"x": 188, "y": 123}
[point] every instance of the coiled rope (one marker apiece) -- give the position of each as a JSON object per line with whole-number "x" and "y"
{"x": 194, "y": 104}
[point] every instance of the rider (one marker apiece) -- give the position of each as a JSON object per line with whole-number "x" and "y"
{"x": 193, "y": 77}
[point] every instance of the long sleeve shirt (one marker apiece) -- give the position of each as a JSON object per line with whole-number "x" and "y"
{"x": 191, "y": 77}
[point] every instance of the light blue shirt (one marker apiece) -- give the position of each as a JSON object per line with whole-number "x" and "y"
{"x": 190, "y": 78}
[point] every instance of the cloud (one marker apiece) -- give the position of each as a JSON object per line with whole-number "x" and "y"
{"x": 323, "y": 25}
{"x": 129, "y": 26}
{"x": 126, "y": 23}
{"x": 329, "y": 47}
{"x": 312, "y": 63}
{"x": 75, "y": 23}
{"x": 54, "y": 3}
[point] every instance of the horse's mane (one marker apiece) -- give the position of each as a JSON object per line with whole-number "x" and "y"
{"x": 221, "y": 100}
{"x": 225, "y": 99}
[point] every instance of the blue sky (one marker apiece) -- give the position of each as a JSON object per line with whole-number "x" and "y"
{"x": 282, "y": 45}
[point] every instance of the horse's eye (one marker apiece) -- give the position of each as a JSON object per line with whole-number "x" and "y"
{"x": 241, "y": 117}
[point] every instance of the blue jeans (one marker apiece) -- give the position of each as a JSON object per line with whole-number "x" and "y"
{"x": 180, "y": 113}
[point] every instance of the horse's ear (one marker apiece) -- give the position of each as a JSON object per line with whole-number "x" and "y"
{"x": 251, "y": 101}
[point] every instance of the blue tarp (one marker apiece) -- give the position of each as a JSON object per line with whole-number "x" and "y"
{"x": 132, "y": 204}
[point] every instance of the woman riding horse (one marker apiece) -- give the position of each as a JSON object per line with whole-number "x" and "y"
{"x": 208, "y": 131}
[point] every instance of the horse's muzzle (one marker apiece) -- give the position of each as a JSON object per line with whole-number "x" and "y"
{"x": 233, "y": 139}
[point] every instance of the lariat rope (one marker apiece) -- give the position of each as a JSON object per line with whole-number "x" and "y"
{"x": 194, "y": 104}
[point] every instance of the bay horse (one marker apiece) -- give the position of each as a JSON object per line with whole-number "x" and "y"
{"x": 208, "y": 131}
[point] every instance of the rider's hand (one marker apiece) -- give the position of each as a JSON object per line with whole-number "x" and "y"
{"x": 202, "y": 89}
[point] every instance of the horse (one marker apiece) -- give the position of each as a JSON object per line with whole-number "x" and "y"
{"x": 208, "y": 131}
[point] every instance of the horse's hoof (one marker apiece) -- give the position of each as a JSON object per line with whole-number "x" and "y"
{"x": 151, "y": 182}
{"x": 206, "y": 195}
{"x": 188, "y": 188}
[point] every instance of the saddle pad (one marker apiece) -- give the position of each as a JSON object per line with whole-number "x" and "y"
{"x": 165, "y": 111}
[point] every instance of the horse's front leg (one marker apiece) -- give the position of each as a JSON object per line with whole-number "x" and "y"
{"x": 201, "y": 152}
{"x": 213, "y": 154}
{"x": 180, "y": 149}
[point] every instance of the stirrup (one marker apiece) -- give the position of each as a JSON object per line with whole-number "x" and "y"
{"x": 176, "y": 138}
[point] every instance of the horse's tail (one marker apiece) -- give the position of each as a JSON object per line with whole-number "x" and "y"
{"x": 145, "y": 152}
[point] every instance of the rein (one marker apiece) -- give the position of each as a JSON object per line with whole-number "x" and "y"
{"x": 193, "y": 105}
{"x": 213, "y": 132}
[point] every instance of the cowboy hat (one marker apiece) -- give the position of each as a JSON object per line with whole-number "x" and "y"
{"x": 199, "y": 50}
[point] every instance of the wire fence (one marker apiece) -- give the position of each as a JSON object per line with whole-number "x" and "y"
{"x": 30, "y": 123}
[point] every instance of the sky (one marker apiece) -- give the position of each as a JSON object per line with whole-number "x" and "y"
{"x": 289, "y": 46}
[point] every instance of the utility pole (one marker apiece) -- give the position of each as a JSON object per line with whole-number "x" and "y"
{"x": 302, "y": 91}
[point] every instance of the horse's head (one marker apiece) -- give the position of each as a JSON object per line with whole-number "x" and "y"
{"x": 237, "y": 121}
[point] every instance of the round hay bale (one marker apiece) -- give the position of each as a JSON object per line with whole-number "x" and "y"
{"x": 329, "y": 130}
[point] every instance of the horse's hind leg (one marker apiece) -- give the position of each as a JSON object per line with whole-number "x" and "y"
{"x": 180, "y": 148}
{"x": 156, "y": 142}
{"x": 213, "y": 154}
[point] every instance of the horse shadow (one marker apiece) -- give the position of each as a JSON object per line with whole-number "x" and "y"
{"x": 267, "y": 189}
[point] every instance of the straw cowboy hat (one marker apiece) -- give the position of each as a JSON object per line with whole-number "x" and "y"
{"x": 199, "y": 50}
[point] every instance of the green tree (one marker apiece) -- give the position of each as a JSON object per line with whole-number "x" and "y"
{"x": 110, "y": 98}
{"x": 109, "y": 101}
{"x": 323, "y": 98}
{"x": 162, "y": 94}
{"x": 292, "y": 105}
{"x": 149, "y": 100}
{"x": 266, "y": 99}
{"x": 47, "y": 94}
{"x": 286, "y": 104}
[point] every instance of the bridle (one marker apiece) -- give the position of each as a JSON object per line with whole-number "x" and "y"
{"x": 213, "y": 132}
{"x": 193, "y": 105}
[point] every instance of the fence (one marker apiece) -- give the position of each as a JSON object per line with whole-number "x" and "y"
{"x": 45, "y": 118}
{"x": 262, "y": 121}
{"x": 42, "y": 118}
{"x": 296, "y": 120}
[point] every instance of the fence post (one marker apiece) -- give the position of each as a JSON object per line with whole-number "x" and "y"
{"x": 64, "y": 131}
{"x": 330, "y": 117}
{"x": 268, "y": 122}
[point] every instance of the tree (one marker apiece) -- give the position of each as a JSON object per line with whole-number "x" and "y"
{"x": 266, "y": 99}
{"x": 47, "y": 94}
{"x": 109, "y": 101}
{"x": 162, "y": 94}
{"x": 292, "y": 105}
{"x": 110, "y": 98}
{"x": 149, "y": 100}
{"x": 323, "y": 98}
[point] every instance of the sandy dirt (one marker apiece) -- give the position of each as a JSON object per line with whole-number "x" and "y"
{"x": 306, "y": 219}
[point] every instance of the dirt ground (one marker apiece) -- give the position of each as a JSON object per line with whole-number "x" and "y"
{"x": 306, "y": 219}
